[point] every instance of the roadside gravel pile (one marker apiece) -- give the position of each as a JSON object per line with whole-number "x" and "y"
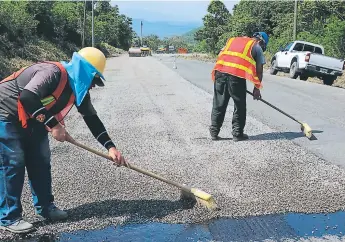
{"x": 159, "y": 122}
{"x": 198, "y": 56}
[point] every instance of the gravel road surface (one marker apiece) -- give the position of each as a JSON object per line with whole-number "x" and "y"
{"x": 160, "y": 122}
{"x": 318, "y": 105}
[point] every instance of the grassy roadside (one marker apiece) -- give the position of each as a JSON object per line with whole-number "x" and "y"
{"x": 43, "y": 51}
{"x": 340, "y": 82}
{"x": 110, "y": 51}
{"x": 17, "y": 57}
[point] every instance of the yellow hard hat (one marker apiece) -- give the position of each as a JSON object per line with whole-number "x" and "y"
{"x": 95, "y": 57}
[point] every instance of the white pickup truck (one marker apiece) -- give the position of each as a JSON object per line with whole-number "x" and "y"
{"x": 305, "y": 59}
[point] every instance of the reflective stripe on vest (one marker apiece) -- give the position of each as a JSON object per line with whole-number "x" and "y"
{"x": 236, "y": 59}
{"x": 50, "y": 101}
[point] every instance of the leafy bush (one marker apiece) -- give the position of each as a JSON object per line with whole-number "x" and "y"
{"x": 33, "y": 31}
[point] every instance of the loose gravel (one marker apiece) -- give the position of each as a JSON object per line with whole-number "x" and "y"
{"x": 160, "y": 122}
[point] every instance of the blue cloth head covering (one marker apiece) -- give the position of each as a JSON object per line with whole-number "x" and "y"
{"x": 80, "y": 75}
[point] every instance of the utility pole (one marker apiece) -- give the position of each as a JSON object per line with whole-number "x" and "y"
{"x": 295, "y": 22}
{"x": 141, "y": 33}
{"x": 83, "y": 41}
{"x": 93, "y": 37}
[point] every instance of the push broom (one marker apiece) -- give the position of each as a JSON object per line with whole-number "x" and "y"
{"x": 305, "y": 128}
{"x": 187, "y": 193}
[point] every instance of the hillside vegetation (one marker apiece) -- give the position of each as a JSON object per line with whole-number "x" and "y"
{"x": 189, "y": 36}
{"x": 320, "y": 22}
{"x": 52, "y": 30}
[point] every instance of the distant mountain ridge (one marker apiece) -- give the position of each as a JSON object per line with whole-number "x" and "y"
{"x": 189, "y": 36}
{"x": 164, "y": 28}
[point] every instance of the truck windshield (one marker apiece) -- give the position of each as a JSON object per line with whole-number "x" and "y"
{"x": 287, "y": 47}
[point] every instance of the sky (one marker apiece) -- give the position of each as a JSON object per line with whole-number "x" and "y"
{"x": 167, "y": 10}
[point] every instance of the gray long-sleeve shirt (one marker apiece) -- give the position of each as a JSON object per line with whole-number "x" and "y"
{"x": 41, "y": 79}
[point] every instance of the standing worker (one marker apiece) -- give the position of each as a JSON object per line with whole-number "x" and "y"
{"x": 241, "y": 59}
{"x": 33, "y": 102}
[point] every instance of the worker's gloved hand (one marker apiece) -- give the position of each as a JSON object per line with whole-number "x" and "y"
{"x": 59, "y": 133}
{"x": 256, "y": 94}
{"x": 117, "y": 157}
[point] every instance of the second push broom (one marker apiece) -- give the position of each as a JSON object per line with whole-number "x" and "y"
{"x": 188, "y": 193}
{"x": 305, "y": 128}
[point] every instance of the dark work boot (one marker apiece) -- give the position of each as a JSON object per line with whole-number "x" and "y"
{"x": 240, "y": 137}
{"x": 214, "y": 134}
{"x": 53, "y": 214}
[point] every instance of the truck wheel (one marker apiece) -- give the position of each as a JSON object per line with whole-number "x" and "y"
{"x": 273, "y": 70}
{"x": 293, "y": 70}
{"x": 328, "y": 80}
{"x": 303, "y": 77}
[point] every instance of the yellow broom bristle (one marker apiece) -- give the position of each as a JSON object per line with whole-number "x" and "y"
{"x": 307, "y": 130}
{"x": 200, "y": 197}
{"x": 201, "y": 194}
{"x": 210, "y": 204}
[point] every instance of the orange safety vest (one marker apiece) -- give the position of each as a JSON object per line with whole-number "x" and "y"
{"x": 50, "y": 101}
{"x": 236, "y": 59}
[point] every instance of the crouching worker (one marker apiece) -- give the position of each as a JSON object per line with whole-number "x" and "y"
{"x": 33, "y": 102}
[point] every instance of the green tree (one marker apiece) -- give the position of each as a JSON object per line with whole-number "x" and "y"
{"x": 215, "y": 24}
{"x": 15, "y": 23}
{"x": 320, "y": 22}
{"x": 34, "y": 31}
{"x": 41, "y": 12}
{"x": 200, "y": 47}
{"x": 152, "y": 41}
{"x": 68, "y": 24}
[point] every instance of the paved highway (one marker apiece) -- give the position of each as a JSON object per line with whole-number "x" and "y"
{"x": 159, "y": 121}
{"x": 322, "y": 107}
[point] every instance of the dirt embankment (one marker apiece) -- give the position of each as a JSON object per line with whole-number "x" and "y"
{"x": 340, "y": 82}
{"x": 17, "y": 57}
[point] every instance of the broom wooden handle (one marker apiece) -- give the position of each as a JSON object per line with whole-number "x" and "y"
{"x": 148, "y": 173}
{"x": 279, "y": 110}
